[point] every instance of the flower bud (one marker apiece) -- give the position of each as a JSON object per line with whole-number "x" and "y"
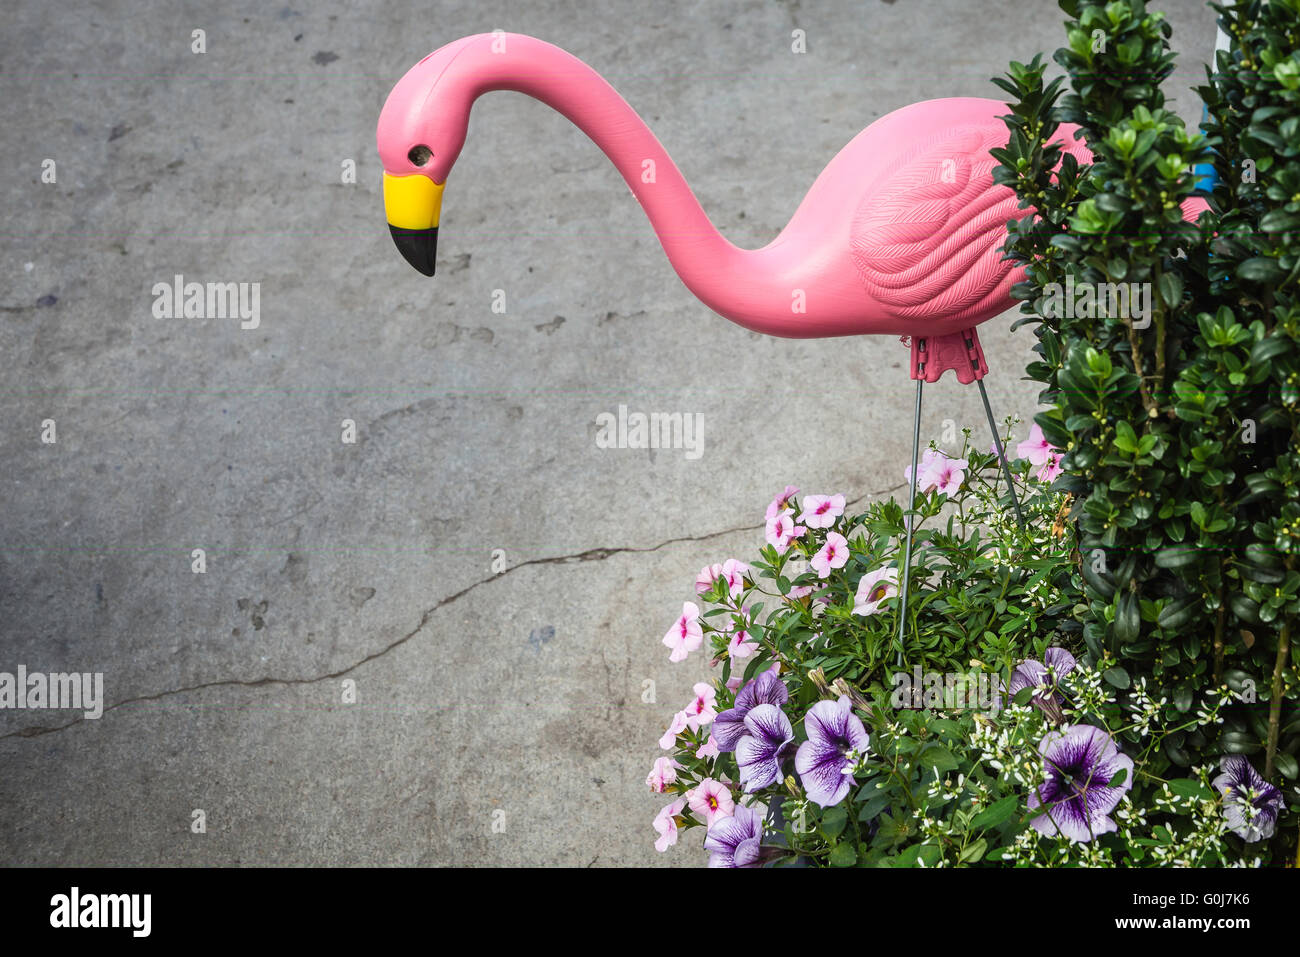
{"x": 843, "y": 689}
{"x": 818, "y": 678}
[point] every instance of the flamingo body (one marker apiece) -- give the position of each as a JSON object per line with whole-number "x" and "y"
{"x": 898, "y": 235}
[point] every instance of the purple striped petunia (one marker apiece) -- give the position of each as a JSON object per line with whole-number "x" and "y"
{"x": 1250, "y": 804}
{"x": 735, "y": 841}
{"x": 1077, "y": 798}
{"x": 836, "y": 740}
{"x": 1037, "y": 674}
{"x": 729, "y": 726}
{"x": 759, "y": 752}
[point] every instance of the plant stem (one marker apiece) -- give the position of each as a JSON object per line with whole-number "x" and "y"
{"x": 1147, "y": 402}
{"x": 1218, "y": 632}
{"x": 1159, "y": 311}
{"x": 1275, "y": 698}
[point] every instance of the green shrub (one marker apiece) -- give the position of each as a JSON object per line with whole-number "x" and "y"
{"x": 1180, "y": 437}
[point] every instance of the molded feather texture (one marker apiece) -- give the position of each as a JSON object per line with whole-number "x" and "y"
{"x": 926, "y": 242}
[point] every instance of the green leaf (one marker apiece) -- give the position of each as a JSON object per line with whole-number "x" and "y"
{"x": 1263, "y": 556}
{"x": 1267, "y": 349}
{"x": 1260, "y": 269}
{"x": 1171, "y": 289}
{"x": 1128, "y": 618}
{"x": 844, "y": 854}
{"x": 1178, "y": 613}
{"x": 1117, "y": 677}
{"x": 834, "y": 821}
{"x": 874, "y": 805}
{"x": 1245, "y": 608}
{"x": 1239, "y": 742}
{"x": 1188, "y": 788}
{"x": 1177, "y": 557}
{"x": 936, "y": 756}
{"x": 907, "y": 856}
{"x": 995, "y": 813}
{"x": 1279, "y": 221}
{"x": 757, "y": 663}
{"x": 1126, "y": 439}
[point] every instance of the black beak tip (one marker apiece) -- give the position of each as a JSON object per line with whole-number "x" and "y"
{"x": 419, "y": 247}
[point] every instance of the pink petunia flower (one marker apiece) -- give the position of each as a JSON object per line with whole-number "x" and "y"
{"x": 686, "y": 634}
{"x": 873, "y": 589}
{"x": 734, "y": 682}
{"x": 781, "y": 502}
{"x": 781, "y": 530}
{"x": 820, "y": 511}
{"x": 677, "y": 727}
{"x": 709, "y": 749}
{"x": 700, "y": 710}
{"x": 938, "y": 471}
{"x": 665, "y": 824}
{"x": 741, "y": 646}
{"x": 1051, "y": 468}
{"x": 834, "y": 554}
{"x": 946, "y": 475}
{"x": 707, "y": 576}
{"x": 711, "y": 800}
{"x": 734, "y": 572}
{"x": 928, "y": 459}
{"x": 1035, "y": 448}
{"x": 662, "y": 774}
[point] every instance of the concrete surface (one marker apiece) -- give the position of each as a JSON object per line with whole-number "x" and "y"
{"x": 476, "y": 430}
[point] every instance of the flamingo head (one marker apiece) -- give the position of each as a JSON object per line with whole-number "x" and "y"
{"x": 421, "y": 131}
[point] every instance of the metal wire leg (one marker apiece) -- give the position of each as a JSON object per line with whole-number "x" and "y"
{"x": 1002, "y": 457}
{"x": 909, "y": 521}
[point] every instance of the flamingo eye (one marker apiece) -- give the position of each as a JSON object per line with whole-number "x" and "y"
{"x": 420, "y": 155}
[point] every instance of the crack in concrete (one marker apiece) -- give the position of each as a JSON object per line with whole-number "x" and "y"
{"x": 590, "y": 555}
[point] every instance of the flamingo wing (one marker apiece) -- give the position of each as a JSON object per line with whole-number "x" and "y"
{"x": 925, "y": 241}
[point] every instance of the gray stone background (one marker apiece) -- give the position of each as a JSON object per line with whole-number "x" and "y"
{"x": 371, "y": 561}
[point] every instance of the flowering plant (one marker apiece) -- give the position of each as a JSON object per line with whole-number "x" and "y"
{"x": 815, "y": 744}
{"x": 1113, "y": 683}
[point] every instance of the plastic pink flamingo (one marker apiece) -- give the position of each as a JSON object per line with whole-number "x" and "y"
{"x": 899, "y": 235}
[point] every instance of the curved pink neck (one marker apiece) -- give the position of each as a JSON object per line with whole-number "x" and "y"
{"x": 710, "y": 266}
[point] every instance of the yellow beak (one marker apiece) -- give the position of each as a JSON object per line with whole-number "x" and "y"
{"x": 413, "y": 205}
